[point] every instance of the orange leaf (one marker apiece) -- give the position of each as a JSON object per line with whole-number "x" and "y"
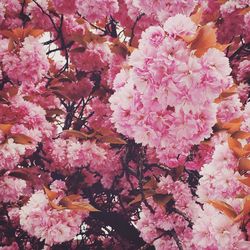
{"x": 241, "y": 135}
{"x": 221, "y": 47}
{"x": 245, "y": 181}
{"x": 231, "y": 126}
{"x": 36, "y": 32}
{"x": 55, "y": 206}
{"x": 235, "y": 146}
{"x": 206, "y": 38}
{"x": 82, "y": 206}
{"x": 11, "y": 45}
{"x": 196, "y": 17}
{"x": 224, "y": 208}
{"x": 244, "y": 11}
{"x": 69, "y": 202}
{"x": 6, "y": 128}
{"x": 244, "y": 164}
{"x": 50, "y": 194}
{"x": 22, "y": 139}
{"x": 226, "y": 93}
{"x": 8, "y": 33}
{"x": 245, "y": 211}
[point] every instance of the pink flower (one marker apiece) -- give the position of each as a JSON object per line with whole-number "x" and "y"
{"x": 180, "y": 25}
{"x": 96, "y": 10}
{"x": 39, "y": 219}
{"x": 11, "y": 188}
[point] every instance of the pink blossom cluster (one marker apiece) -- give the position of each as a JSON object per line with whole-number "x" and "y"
{"x": 229, "y": 109}
{"x": 9, "y": 14}
{"x": 167, "y": 92}
{"x": 27, "y": 119}
{"x": 11, "y": 188}
{"x": 214, "y": 230}
{"x": 29, "y": 66}
{"x": 64, "y": 6}
{"x": 95, "y": 58}
{"x": 70, "y": 154}
{"x": 54, "y": 226}
{"x": 219, "y": 179}
{"x": 97, "y": 10}
{"x": 161, "y": 10}
{"x": 154, "y": 226}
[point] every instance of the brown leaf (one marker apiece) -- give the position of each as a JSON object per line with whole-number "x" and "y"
{"x": 138, "y": 198}
{"x": 224, "y": 208}
{"x": 21, "y": 174}
{"x": 244, "y": 164}
{"x": 21, "y": 139}
{"x": 151, "y": 184}
{"x": 79, "y": 134}
{"x": 162, "y": 199}
{"x": 84, "y": 206}
{"x": 113, "y": 140}
{"x": 177, "y": 172}
{"x": 120, "y": 49}
{"x": 79, "y": 50}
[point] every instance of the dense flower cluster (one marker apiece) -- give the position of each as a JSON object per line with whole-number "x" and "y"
{"x": 152, "y": 226}
{"x": 168, "y": 92}
{"x": 11, "y": 189}
{"x": 39, "y": 219}
{"x": 125, "y": 124}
